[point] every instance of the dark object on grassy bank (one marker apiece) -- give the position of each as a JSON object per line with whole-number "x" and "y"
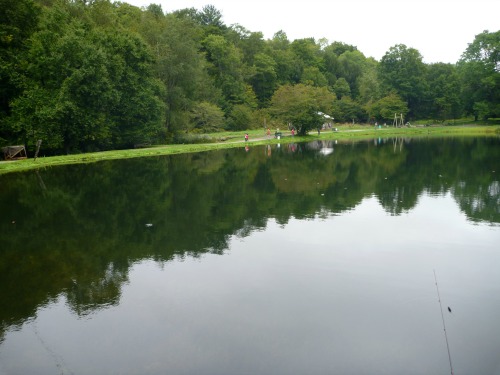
{"x": 14, "y": 152}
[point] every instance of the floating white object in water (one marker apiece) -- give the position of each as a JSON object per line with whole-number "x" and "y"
{"x": 149, "y": 225}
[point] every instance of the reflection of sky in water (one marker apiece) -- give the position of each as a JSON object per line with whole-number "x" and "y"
{"x": 347, "y": 294}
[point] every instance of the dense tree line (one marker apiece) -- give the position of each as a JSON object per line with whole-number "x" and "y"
{"x": 95, "y": 74}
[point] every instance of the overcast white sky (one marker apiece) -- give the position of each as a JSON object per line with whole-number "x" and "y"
{"x": 439, "y": 29}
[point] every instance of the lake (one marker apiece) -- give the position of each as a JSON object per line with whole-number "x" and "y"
{"x": 317, "y": 258}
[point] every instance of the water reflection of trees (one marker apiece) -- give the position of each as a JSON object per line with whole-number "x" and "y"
{"x": 80, "y": 233}
{"x": 480, "y": 203}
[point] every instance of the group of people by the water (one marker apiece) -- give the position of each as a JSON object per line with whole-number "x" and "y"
{"x": 277, "y": 133}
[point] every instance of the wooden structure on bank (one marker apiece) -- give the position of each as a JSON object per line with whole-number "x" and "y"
{"x": 398, "y": 120}
{"x": 14, "y": 152}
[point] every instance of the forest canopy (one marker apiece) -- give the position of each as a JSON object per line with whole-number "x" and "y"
{"x": 86, "y": 75}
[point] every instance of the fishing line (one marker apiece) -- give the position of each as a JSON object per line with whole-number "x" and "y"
{"x": 444, "y": 326}
{"x": 58, "y": 360}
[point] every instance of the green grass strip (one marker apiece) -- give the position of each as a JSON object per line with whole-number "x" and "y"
{"x": 224, "y": 140}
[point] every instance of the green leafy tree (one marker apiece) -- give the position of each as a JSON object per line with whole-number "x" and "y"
{"x": 264, "y": 78}
{"x": 479, "y": 68}
{"x": 209, "y": 18}
{"x": 307, "y": 56}
{"x": 339, "y": 48}
{"x": 331, "y": 65}
{"x": 302, "y": 106}
{"x": 342, "y": 88}
{"x": 67, "y": 88}
{"x": 307, "y": 51}
{"x": 386, "y": 108}
{"x": 249, "y": 43}
{"x": 346, "y": 110}
{"x": 207, "y": 117}
{"x": 87, "y": 87}
{"x": 156, "y": 10}
{"x": 179, "y": 65}
{"x": 401, "y": 69}
{"x": 311, "y": 75}
{"x": 351, "y": 65}
{"x": 368, "y": 83}
{"x": 482, "y": 110}
{"x": 139, "y": 115}
{"x": 288, "y": 68}
{"x": 18, "y": 20}
{"x": 241, "y": 117}
{"x": 444, "y": 83}
{"x": 127, "y": 16}
{"x": 226, "y": 67}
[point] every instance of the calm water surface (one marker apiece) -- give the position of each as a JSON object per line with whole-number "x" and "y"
{"x": 301, "y": 259}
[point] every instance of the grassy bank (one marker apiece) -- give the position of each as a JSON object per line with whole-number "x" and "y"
{"x": 256, "y": 137}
